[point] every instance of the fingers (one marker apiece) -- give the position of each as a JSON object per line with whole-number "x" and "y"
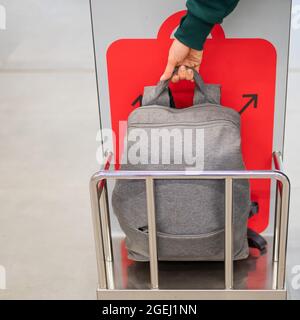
{"x": 184, "y": 73}
{"x": 177, "y": 53}
{"x": 189, "y": 74}
{"x": 168, "y": 71}
{"x": 175, "y": 78}
{"x": 181, "y": 55}
{"x": 181, "y": 74}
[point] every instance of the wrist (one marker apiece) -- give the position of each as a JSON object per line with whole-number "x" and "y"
{"x": 193, "y": 31}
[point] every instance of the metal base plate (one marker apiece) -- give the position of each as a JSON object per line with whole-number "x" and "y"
{"x": 191, "y": 280}
{"x": 191, "y": 294}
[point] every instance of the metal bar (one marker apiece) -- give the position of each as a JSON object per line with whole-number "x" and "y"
{"x": 276, "y": 235}
{"x": 277, "y": 223}
{"x": 94, "y": 193}
{"x": 105, "y": 223}
{"x": 107, "y": 239}
{"x": 97, "y": 186}
{"x": 274, "y": 275}
{"x": 278, "y": 193}
{"x": 110, "y": 277}
{"x": 281, "y": 225}
{"x": 283, "y": 233}
{"x": 277, "y": 158}
{"x": 228, "y": 235}
{"x": 278, "y": 166}
{"x": 162, "y": 294}
{"x": 239, "y": 174}
{"x": 152, "y": 233}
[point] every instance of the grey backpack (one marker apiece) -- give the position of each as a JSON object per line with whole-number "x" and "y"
{"x": 189, "y": 213}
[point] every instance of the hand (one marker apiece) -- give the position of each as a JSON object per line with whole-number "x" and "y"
{"x": 181, "y": 55}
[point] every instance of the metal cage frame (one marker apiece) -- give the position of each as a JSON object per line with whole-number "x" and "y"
{"x": 103, "y": 239}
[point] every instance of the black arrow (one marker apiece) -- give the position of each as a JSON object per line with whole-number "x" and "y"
{"x": 138, "y": 99}
{"x": 253, "y": 98}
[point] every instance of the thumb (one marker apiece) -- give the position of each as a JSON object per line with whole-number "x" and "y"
{"x": 168, "y": 71}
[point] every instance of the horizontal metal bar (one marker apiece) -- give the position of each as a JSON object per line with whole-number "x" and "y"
{"x": 239, "y": 174}
{"x": 192, "y": 294}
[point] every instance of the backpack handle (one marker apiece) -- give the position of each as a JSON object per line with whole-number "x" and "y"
{"x": 160, "y": 94}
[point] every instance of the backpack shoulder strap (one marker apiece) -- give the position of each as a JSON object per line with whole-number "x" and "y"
{"x": 255, "y": 240}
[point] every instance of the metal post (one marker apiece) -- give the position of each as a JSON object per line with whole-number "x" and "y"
{"x": 277, "y": 222}
{"x": 276, "y": 234}
{"x": 152, "y": 233}
{"x": 97, "y": 233}
{"x": 278, "y": 166}
{"x": 107, "y": 239}
{"x": 283, "y": 232}
{"x": 281, "y": 225}
{"x": 228, "y": 235}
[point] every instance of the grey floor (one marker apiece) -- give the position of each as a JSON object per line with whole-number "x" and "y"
{"x": 48, "y": 127}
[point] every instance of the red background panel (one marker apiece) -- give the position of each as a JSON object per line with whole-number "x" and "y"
{"x": 241, "y": 66}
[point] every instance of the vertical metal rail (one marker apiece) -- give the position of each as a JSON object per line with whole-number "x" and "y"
{"x": 106, "y": 233}
{"x": 105, "y": 223}
{"x": 152, "y": 233}
{"x": 277, "y": 222}
{"x": 228, "y": 235}
{"x": 278, "y": 166}
{"x": 94, "y": 193}
{"x": 281, "y": 226}
{"x": 283, "y": 233}
{"x": 276, "y": 234}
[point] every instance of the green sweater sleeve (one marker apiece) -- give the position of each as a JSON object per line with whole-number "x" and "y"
{"x": 202, "y": 15}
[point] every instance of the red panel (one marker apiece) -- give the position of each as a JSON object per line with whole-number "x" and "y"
{"x": 241, "y": 66}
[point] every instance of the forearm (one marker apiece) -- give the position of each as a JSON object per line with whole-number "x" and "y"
{"x": 202, "y": 15}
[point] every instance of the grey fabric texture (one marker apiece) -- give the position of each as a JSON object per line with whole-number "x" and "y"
{"x": 162, "y": 99}
{"x": 189, "y": 213}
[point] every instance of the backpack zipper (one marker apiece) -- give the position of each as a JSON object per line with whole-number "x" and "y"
{"x": 185, "y": 124}
{"x": 176, "y": 110}
{"x": 170, "y": 235}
